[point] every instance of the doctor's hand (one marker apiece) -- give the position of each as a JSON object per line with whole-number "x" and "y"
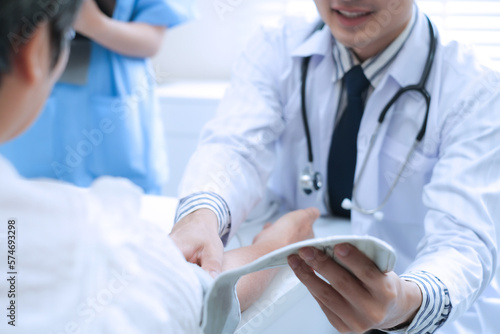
{"x": 360, "y": 299}
{"x": 197, "y": 236}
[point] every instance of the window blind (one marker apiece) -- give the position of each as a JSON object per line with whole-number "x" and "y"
{"x": 473, "y": 22}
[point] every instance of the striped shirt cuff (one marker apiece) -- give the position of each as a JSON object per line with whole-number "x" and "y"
{"x": 206, "y": 200}
{"x": 436, "y": 304}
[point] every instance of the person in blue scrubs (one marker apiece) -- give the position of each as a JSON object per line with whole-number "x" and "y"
{"x": 103, "y": 120}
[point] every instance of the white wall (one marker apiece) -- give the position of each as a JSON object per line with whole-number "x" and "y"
{"x": 185, "y": 108}
{"x": 205, "y": 48}
{"x": 195, "y": 62}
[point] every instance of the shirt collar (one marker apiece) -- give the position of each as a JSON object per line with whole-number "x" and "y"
{"x": 373, "y": 67}
{"x": 318, "y": 42}
{"x": 414, "y": 52}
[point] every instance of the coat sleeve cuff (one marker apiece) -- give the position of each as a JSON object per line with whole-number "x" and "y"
{"x": 207, "y": 200}
{"x": 436, "y": 304}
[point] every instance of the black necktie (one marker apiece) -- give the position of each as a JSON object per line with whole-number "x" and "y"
{"x": 343, "y": 149}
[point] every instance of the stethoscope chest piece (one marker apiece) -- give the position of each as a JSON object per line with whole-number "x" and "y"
{"x": 310, "y": 181}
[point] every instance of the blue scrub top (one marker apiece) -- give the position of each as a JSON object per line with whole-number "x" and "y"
{"x": 111, "y": 125}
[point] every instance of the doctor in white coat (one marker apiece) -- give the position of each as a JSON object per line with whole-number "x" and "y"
{"x": 440, "y": 216}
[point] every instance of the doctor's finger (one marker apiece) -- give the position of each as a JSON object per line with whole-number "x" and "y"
{"x": 319, "y": 289}
{"x": 333, "y": 318}
{"x": 360, "y": 265}
{"x": 211, "y": 257}
{"x": 346, "y": 284}
{"x": 345, "y": 319}
{"x": 188, "y": 248}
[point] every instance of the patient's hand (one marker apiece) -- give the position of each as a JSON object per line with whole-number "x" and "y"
{"x": 291, "y": 228}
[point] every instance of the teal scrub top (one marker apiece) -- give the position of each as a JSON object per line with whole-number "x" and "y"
{"x": 108, "y": 126}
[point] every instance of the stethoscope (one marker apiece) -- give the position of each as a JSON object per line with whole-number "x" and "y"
{"x": 311, "y": 181}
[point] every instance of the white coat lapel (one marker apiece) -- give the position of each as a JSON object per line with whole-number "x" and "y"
{"x": 399, "y": 74}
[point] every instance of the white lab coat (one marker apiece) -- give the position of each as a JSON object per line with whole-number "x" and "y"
{"x": 87, "y": 263}
{"x": 441, "y": 215}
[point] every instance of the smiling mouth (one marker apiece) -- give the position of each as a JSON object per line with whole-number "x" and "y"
{"x": 352, "y": 15}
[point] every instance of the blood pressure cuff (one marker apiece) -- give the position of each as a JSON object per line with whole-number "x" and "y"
{"x": 221, "y": 308}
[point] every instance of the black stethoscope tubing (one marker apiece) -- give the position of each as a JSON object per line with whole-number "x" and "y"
{"x": 419, "y": 88}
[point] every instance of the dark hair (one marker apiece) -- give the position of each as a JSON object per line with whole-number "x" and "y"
{"x": 19, "y": 19}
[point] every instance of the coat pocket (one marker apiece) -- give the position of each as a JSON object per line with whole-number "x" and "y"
{"x": 394, "y": 155}
{"x": 405, "y": 204}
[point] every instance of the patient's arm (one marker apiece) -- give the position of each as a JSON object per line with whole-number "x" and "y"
{"x": 292, "y": 227}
